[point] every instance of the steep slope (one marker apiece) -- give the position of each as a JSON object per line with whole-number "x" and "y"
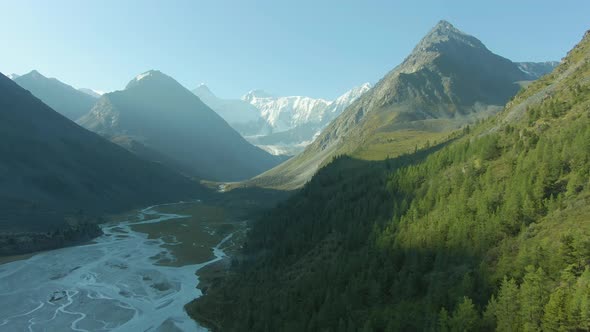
{"x": 13, "y": 76}
{"x": 61, "y": 97}
{"x": 55, "y": 173}
{"x": 450, "y": 79}
{"x": 157, "y": 112}
{"x": 487, "y": 231}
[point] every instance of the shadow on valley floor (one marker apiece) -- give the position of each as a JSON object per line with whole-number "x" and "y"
{"x": 325, "y": 224}
{"x": 247, "y": 203}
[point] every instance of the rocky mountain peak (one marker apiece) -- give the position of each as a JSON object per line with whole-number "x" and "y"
{"x": 444, "y": 26}
{"x": 444, "y": 37}
{"x": 152, "y": 78}
{"x": 202, "y": 90}
{"x": 35, "y": 74}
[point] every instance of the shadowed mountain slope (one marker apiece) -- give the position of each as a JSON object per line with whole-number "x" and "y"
{"x": 157, "y": 112}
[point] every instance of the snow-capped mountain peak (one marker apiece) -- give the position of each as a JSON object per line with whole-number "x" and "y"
{"x": 284, "y": 113}
{"x": 256, "y": 94}
{"x": 280, "y": 125}
{"x": 349, "y": 97}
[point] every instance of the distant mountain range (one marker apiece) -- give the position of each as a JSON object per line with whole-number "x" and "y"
{"x": 280, "y": 125}
{"x": 450, "y": 79}
{"x": 429, "y": 99}
{"x": 241, "y": 115}
{"x": 537, "y": 69}
{"x": 160, "y": 120}
{"x": 57, "y": 175}
{"x": 92, "y": 93}
{"x": 286, "y": 113}
{"x": 61, "y": 97}
{"x": 286, "y": 125}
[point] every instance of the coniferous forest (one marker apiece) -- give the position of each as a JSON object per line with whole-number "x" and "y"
{"x": 295, "y": 166}
{"x": 485, "y": 231}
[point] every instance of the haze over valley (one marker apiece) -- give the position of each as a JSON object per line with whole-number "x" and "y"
{"x": 344, "y": 167}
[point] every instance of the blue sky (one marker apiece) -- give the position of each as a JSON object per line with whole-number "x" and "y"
{"x": 315, "y": 48}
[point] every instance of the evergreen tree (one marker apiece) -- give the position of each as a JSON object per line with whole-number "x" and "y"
{"x": 465, "y": 317}
{"x": 555, "y": 317}
{"x": 508, "y": 307}
{"x": 533, "y": 296}
{"x": 443, "y": 320}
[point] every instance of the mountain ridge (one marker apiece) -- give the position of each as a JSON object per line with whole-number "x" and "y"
{"x": 160, "y": 114}
{"x": 59, "y": 176}
{"x": 58, "y": 95}
{"x": 448, "y": 80}
{"x": 280, "y": 125}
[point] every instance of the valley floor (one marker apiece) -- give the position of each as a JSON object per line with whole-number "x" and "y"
{"x": 138, "y": 275}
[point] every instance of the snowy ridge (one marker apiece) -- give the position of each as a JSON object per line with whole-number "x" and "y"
{"x": 348, "y": 98}
{"x": 92, "y": 92}
{"x": 284, "y": 113}
{"x": 279, "y": 125}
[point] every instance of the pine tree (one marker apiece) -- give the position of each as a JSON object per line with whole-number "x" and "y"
{"x": 508, "y": 308}
{"x": 579, "y": 311}
{"x": 489, "y": 315}
{"x": 443, "y": 320}
{"x": 465, "y": 317}
{"x": 533, "y": 296}
{"x": 555, "y": 317}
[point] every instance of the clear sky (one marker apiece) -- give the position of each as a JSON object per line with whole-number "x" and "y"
{"x": 297, "y": 47}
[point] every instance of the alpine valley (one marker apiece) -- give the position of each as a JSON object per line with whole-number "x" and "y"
{"x": 485, "y": 229}
{"x": 452, "y": 194}
{"x": 59, "y": 180}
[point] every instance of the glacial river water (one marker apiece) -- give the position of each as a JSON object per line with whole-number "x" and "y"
{"x": 110, "y": 285}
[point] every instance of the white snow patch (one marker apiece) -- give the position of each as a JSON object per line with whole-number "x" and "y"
{"x": 142, "y": 76}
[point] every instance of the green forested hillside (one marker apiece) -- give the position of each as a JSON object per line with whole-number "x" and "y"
{"x": 487, "y": 231}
